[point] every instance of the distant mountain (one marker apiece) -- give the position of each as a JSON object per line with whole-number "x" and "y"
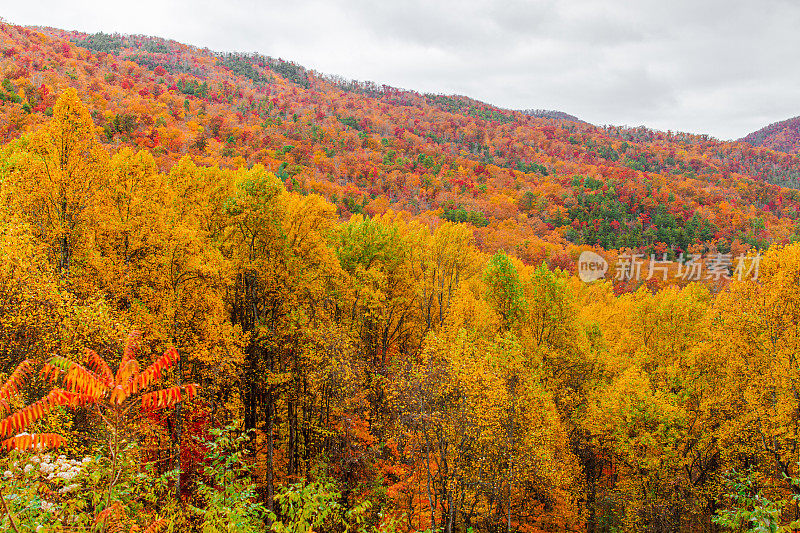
{"x": 550, "y": 113}
{"x": 781, "y": 136}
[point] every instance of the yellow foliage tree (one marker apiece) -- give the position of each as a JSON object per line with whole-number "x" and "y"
{"x": 60, "y": 178}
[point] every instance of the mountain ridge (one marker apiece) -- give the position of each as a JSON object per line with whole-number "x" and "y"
{"x": 782, "y": 136}
{"x": 550, "y": 113}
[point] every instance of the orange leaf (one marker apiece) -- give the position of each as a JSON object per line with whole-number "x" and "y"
{"x": 191, "y": 390}
{"x": 128, "y": 368}
{"x": 114, "y": 510}
{"x": 167, "y": 397}
{"x": 99, "y": 366}
{"x": 83, "y": 381}
{"x": 21, "y": 419}
{"x": 61, "y": 397}
{"x": 125, "y": 367}
{"x": 157, "y": 526}
{"x": 50, "y": 372}
{"x": 14, "y": 381}
{"x": 155, "y": 371}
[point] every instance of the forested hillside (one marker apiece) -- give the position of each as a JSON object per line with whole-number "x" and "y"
{"x": 781, "y": 136}
{"x": 237, "y": 295}
{"x": 522, "y": 181}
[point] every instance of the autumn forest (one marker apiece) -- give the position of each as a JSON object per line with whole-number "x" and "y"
{"x": 237, "y": 295}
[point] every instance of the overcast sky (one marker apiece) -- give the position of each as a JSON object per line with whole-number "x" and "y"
{"x": 723, "y": 67}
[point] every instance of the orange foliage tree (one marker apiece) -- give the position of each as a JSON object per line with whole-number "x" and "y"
{"x": 115, "y": 395}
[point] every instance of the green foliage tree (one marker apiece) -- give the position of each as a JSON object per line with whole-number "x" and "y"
{"x": 229, "y": 499}
{"x": 504, "y": 290}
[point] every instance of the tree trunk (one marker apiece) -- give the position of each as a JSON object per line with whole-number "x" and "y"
{"x": 270, "y": 429}
{"x": 178, "y": 428}
{"x": 270, "y": 446}
{"x": 291, "y": 451}
{"x": 250, "y": 389}
{"x": 431, "y": 498}
{"x": 450, "y": 510}
{"x": 64, "y": 255}
{"x": 511, "y": 451}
